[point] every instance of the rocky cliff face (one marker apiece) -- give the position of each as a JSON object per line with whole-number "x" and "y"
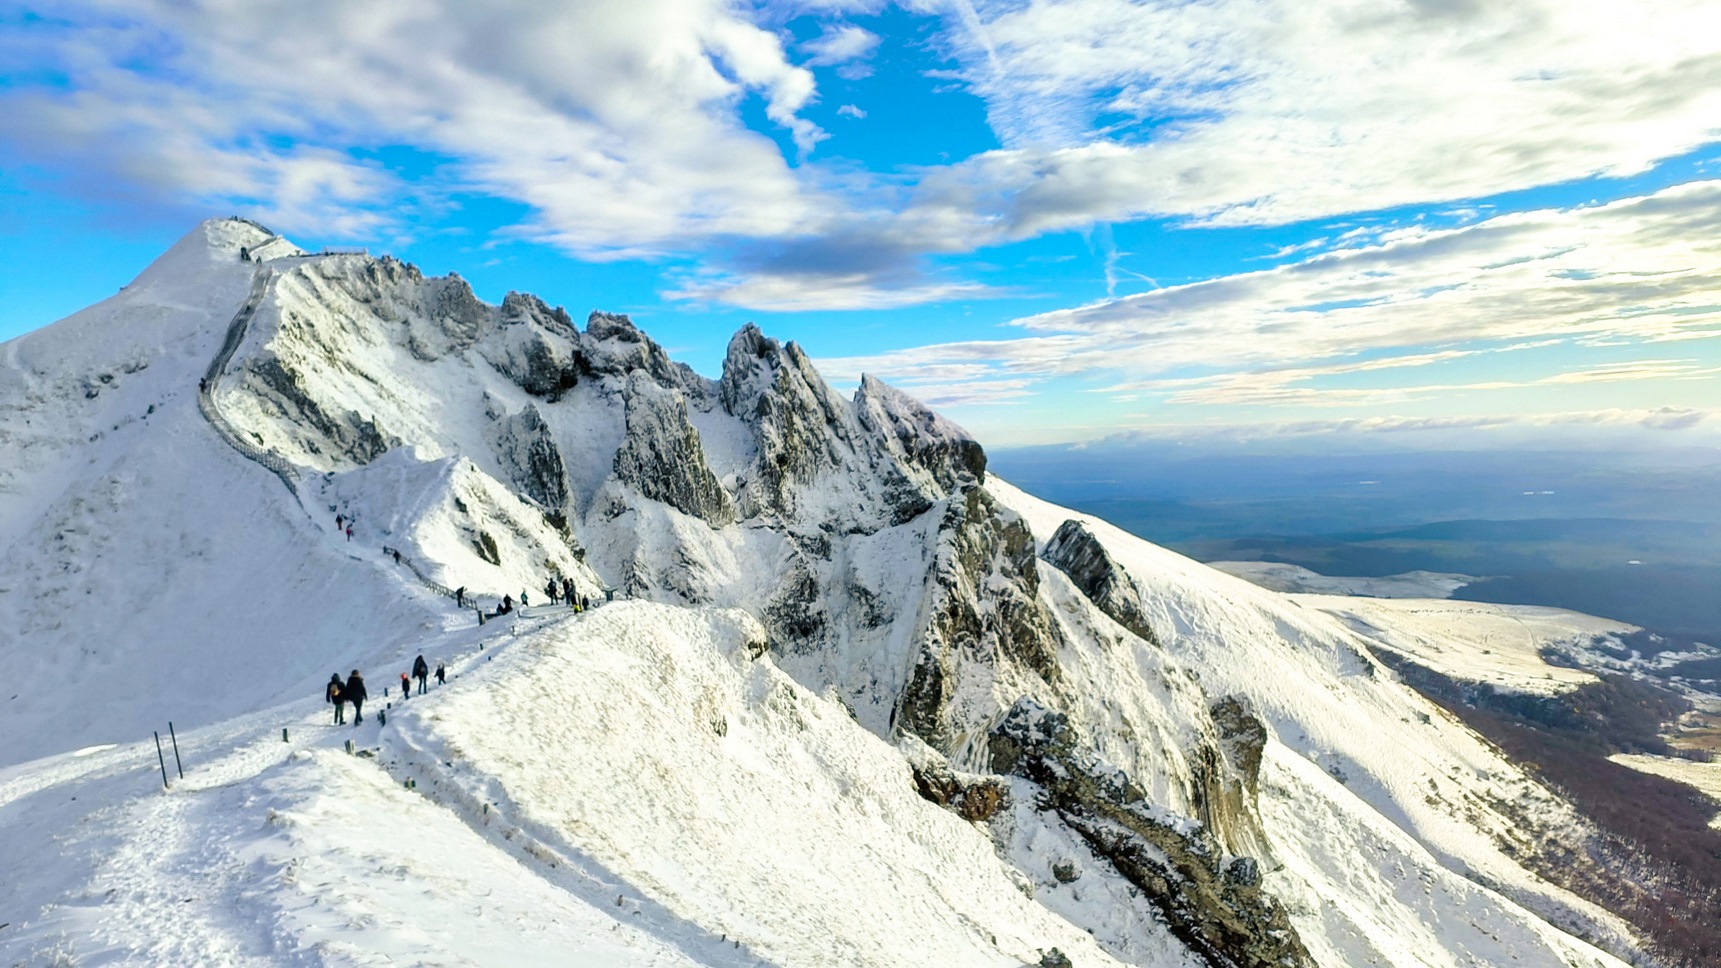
{"x": 1218, "y": 908}
{"x": 863, "y": 533}
{"x": 661, "y": 456}
{"x": 1076, "y": 552}
{"x": 528, "y": 455}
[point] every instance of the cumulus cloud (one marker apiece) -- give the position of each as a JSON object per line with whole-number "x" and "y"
{"x": 622, "y": 125}
{"x": 617, "y": 123}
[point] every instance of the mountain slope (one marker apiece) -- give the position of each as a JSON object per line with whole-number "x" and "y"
{"x": 882, "y": 709}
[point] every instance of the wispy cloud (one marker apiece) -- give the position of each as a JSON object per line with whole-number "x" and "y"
{"x": 1641, "y": 270}
{"x": 844, "y": 46}
{"x": 1272, "y": 111}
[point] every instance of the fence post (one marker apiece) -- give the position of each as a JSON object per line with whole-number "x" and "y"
{"x": 176, "y": 763}
{"x": 284, "y": 735}
{"x": 161, "y": 759}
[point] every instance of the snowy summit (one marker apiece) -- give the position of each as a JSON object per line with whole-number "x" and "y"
{"x": 836, "y": 696}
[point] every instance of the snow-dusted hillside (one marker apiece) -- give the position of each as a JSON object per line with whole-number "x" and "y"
{"x": 872, "y": 706}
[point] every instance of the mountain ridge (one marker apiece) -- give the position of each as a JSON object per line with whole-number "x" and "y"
{"x": 1223, "y": 762}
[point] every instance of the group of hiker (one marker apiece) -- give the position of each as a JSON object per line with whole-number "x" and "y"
{"x": 339, "y": 693}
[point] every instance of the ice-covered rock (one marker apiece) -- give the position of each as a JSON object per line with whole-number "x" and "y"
{"x": 1075, "y": 551}
{"x": 661, "y": 456}
{"x": 527, "y": 453}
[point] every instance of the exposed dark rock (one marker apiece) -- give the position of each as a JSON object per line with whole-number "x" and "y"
{"x": 662, "y": 456}
{"x": 797, "y": 421}
{"x": 336, "y": 434}
{"x": 614, "y": 346}
{"x": 486, "y": 548}
{"x": 534, "y": 347}
{"x": 1065, "y": 871}
{"x": 983, "y": 607}
{"x": 529, "y": 457}
{"x": 1226, "y": 920}
{"x": 973, "y": 798}
{"x": 1227, "y": 777}
{"x": 1053, "y": 958}
{"x": 1075, "y": 551}
{"x": 455, "y": 315}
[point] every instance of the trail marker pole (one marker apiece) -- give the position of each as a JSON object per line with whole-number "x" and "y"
{"x": 284, "y": 738}
{"x": 176, "y": 763}
{"x": 162, "y": 760}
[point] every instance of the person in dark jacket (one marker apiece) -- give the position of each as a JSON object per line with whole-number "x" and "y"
{"x": 550, "y": 591}
{"x": 441, "y": 675}
{"x": 354, "y": 692}
{"x": 336, "y": 696}
{"x": 405, "y": 688}
{"x": 421, "y": 672}
{"x": 507, "y": 605}
{"x": 568, "y": 591}
{"x": 460, "y": 597}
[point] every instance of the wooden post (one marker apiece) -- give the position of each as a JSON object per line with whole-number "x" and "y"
{"x": 284, "y": 735}
{"x": 162, "y": 760}
{"x": 176, "y": 763}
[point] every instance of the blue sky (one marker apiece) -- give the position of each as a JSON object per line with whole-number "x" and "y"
{"x": 1056, "y": 221}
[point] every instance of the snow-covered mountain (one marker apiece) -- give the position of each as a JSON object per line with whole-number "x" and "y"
{"x": 856, "y": 702}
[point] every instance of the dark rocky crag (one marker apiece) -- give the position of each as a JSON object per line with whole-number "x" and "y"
{"x": 662, "y": 457}
{"x": 1218, "y": 910}
{"x": 1076, "y": 552}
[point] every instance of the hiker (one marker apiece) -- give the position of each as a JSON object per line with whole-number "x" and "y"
{"x": 340, "y": 522}
{"x": 441, "y": 675}
{"x": 397, "y": 556}
{"x": 460, "y": 597}
{"x": 550, "y": 590}
{"x": 507, "y": 605}
{"x": 349, "y": 532}
{"x": 405, "y": 688}
{"x": 337, "y": 696}
{"x": 568, "y": 590}
{"x": 421, "y": 672}
{"x": 354, "y": 692}
{"x": 523, "y": 601}
{"x": 585, "y": 603}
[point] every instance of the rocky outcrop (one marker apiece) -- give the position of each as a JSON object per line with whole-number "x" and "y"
{"x": 614, "y": 346}
{"x": 1075, "y": 551}
{"x": 983, "y": 610}
{"x": 341, "y": 436}
{"x": 534, "y": 347}
{"x": 529, "y": 458}
{"x": 973, "y": 798}
{"x": 799, "y": 426}
{"x": 662, "y": 457}
{"x": 1218, "y": 910}
{"x": 927, "y": 456}
{"x": 1227, "y": 778}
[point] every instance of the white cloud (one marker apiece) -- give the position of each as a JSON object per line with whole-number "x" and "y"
{"x": 840, "y": 44}
{"x": 851, "y": 111}
{"x": 1270, "y": 111}
{"x": 1641, "y": 270}
{"x": 617, "y": 122}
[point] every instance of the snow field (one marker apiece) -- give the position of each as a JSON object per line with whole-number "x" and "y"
{"x": 647, "y": 746}
{"x": 1499, "y": 645}
{"x": 1391, "y": 752}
